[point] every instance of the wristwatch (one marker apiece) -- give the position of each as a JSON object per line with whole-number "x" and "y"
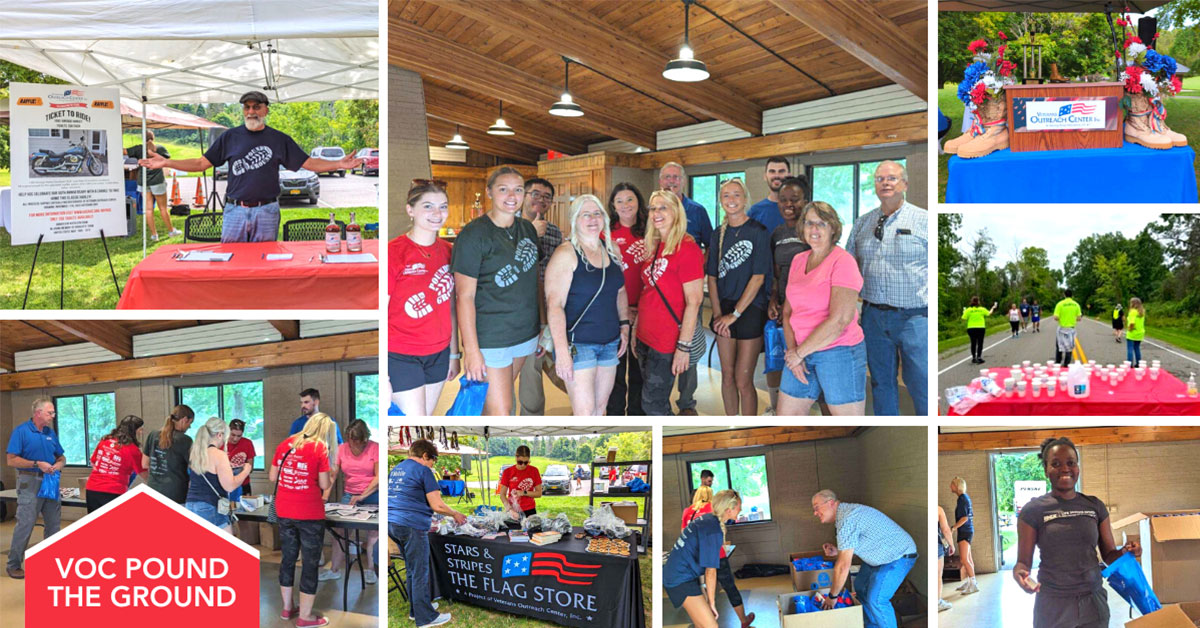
{"x": 624, "y": 321}
{"x": 736, "y": 314}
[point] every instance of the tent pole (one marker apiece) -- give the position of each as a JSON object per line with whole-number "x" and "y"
{"x": 147, "y": 200}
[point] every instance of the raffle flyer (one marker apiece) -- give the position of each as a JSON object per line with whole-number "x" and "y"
{"x": 66, "y": 163}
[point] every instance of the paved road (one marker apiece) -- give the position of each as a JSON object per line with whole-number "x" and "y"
{"x": 1000, "y": 349}
{"x": 352, "y": 191}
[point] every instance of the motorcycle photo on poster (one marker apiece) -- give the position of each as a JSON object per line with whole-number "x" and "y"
{"x": 66, "y": 163}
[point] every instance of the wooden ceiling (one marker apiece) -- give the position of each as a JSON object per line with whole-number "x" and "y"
{"x": 116, "y": 336}
{"x": 473, "y": 53}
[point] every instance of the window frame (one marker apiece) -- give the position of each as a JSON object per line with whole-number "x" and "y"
{"x": 353, "y": 410}
{"x": 729, "y": 476}
{"x": 856, "y": 210}
{"x": 260, "y": 456}
{"x": 716, "y": 214}
{"x": 87, "y": 455}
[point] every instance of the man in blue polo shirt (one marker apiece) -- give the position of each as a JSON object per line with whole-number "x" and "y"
{"x": 310, "y": 404}
{"x": 672, "y": 177}
{"x": 33, "y": 450}
{"x": 254, "y": 153}
{"x": 766, "y": 211}
{"x": 886, "y": 550}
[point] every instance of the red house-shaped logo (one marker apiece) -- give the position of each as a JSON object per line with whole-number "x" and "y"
{"x": 142, "y": 559}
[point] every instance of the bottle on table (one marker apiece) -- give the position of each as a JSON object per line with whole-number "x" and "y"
{"x": 1191, "y": 386}
{"x": 353, "y": 235}
{"x": 333, "y": 236}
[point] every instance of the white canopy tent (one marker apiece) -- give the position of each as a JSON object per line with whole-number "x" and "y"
{"x": 182, "y": 51}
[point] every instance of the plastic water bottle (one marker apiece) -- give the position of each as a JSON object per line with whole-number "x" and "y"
{"x": 1191, "y": 386}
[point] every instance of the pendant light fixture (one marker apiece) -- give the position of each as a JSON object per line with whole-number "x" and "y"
{"x": 500, "y": 128}
{"x": 565, "y": 107}
{"x": 686, "y": 69}
{"x": 457, "y": 143}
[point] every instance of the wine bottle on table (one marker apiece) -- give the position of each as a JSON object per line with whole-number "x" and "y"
{"x": 333, "y": 236}
{"x": 353, "y": 235}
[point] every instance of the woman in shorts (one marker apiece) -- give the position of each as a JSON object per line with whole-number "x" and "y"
{"x": 737, "y": 268}
{"x": 422, "y": 343}
{"x": 697, "y": 553}
{"x": 495, "y": 265}
{"x": 825, "y": 350}
{"x": 964, "y": 522}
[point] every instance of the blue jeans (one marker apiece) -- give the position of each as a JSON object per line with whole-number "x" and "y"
{"x": 876, "y": 585}
{"x": 889, "y": 333}
{"x": 208, "y": 512}
{"x": 414, "y": 544}
{"x": 1133, "y": 350}
{"x": 250, "y": 224}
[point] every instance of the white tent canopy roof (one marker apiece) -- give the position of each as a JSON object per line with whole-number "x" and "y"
{"x": 201, "y": 52}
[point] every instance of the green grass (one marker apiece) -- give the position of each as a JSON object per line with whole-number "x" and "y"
{"x": 1008, "y": 538}
{"x": 1183, "y": 116}
{"x": 5, "y": 178}
{"x": 88, "y": 282}
{"x": 540, "y": 462}
{"x": 177, "y": 150}
{"x": 958, "y": 337}
{"x": 1191, "y": 83}
{"x": 1169, "y": 331}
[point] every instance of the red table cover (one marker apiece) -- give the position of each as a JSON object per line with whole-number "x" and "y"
{"x": 249, "y": 282}
{"x": 1165, "y": 397}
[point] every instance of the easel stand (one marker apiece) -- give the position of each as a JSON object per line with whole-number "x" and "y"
{"x": 62, "y": 268}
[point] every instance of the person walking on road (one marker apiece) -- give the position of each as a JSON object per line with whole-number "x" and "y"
{"x": 976, "y": 317}
{"x": 1024, "y": 314}
{"x": 1035, "y": 314}
{"x": 1118, "y": 323}
{"x": 1067, "y": 313}
{"x": 1015, "y": 319}
{"x": 1137, "y": 331}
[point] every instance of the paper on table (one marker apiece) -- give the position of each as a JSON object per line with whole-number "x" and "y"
{"x": 205, "y": 256}
{"x": 356, "y": 258}
{"x": 277, "y": 257}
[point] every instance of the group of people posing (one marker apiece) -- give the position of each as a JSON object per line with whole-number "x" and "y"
{"x": 208, "y": 474}
{"x": 613, "y": 308}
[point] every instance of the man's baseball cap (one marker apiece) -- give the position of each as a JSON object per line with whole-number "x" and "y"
{"x": 255, "y": 95}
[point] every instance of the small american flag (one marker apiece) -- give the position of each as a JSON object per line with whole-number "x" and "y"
{"x": 549, "y": 564}
{"x": 1077, "y": 107}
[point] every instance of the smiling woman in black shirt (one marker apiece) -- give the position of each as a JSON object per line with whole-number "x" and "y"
{"x": 1067, "y": 526}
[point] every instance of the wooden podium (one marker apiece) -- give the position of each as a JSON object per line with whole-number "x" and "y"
{"x": 1023, "y": 139}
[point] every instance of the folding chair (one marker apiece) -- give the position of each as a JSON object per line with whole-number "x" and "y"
{"x": 303, "y": 229}
{"x": 204, "y": 227}
{"x": 397, "y": 575}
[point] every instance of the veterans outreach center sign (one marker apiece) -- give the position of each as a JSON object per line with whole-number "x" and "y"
{"x": 66, "y": 163}
{"x": 142, "y": 560}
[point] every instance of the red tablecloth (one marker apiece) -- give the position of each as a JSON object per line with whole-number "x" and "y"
{"x": 250, "y": 282}
{"x": 1165, "y": 397}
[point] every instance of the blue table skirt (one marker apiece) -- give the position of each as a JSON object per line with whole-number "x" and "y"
{"x": 1131, "y": 174}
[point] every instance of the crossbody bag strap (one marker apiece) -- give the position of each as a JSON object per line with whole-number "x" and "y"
{"x": 603, "y": 277}
{"x": 654, "y": 282}
{"x": 275, "y": 491}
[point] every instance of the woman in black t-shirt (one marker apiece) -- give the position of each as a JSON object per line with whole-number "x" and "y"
{"x": 496, "y": 283}
{"x": 738, "y": 271}
{"x": 1067, "y": 527}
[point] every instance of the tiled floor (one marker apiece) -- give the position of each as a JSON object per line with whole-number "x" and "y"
{"x": 1000, "y": 603}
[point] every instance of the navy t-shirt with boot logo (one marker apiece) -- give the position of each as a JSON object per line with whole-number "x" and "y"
{"x": 254, "y": 158}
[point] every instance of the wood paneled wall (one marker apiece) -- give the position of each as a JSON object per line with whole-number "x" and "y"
{"x": 462, "y": 183}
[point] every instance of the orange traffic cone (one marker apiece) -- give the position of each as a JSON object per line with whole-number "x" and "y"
{"x": 199, "y": 200}
{"x": 175, "y": 198}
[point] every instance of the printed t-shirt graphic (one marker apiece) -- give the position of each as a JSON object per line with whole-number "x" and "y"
{"x": 254, "y": 158}
{"x": 633, "y": 255}
{"x": 111, "y": 466}
{"x": 526, "y": 480}
{"x": 299, "y": 481}
{"x": 745, "y": 253}
{"x": 503, "y": 261}
{"x": 656, "y": 327}
{"x": 421, "y": 285}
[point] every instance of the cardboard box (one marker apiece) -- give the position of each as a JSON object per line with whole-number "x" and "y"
{"x": 810, "y": 580}
{"x": 625, "y": 511}
{"x": 1170, "y": 551}
{"x": 269, "y": 536}
{"x": 247, "y": 531}
{"x": 1186, "y": 615}
{"x": 849, "y": 617}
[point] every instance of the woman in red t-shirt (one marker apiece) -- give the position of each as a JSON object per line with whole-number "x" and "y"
{"x": 240, "y": 451}
{"x": 520, "y": 484}
{"x": 300, "y": 472}
{"x": 422, "y": 335}
{"x": 116, "y": 457}
{"x": 673, "y": 278}
{"x": 627, "y": 215}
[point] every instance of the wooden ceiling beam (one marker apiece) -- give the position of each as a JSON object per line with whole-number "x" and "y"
{"x": 416, "y": 49}
{"x": 449, "y": 105}
{"x": 107, "y": 334}
{"x": 859, "y": 28}
{"x": 290, "y": 330}
{"x": 440, "y": 132}
{"x": 581, "y": 36}
{"x": 364, "y": 344}
{"x": 906, "y": 128}
{"x": 752, "y": 437}
{"x": 1027, "y": 439}
{"x": 8, "y": 362}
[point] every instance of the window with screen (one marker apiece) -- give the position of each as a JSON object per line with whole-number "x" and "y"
{"x": 242, "y": 400}
{"x": 747, "y": 475}
{"x": 849, "y": 189}
{"x": 82, "y": 422}
{"x": 704, "y": 191}
{"x": 365, "y": 389}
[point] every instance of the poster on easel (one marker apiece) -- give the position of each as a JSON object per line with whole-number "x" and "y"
{"x": 66, "y": 163}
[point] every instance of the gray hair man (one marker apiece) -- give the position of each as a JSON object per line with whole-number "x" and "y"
{"x": 891, "y": 245}
{"x": 34, "y": 451}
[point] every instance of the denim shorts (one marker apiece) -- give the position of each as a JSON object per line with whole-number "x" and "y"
{"x": 589, "y": 355}
{"x": 501, "y": 357}
{"x": 208, "y": 512}
{"x": 839, "y": 373}
{"x": 373, "y": 499}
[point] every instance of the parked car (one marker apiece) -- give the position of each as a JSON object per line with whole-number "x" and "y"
{"x": 298, "y": 184}
{"x": 221, "y": 171}
{"x": 556, "y": 478}
{"x": 370, "y": 164}
{"x": 332, "y": 153}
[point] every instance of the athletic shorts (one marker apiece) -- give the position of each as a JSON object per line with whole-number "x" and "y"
{"x": 406, "y": 372}
{"x": 748, "y": 326}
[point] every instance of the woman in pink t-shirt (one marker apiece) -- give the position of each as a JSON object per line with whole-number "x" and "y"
{"x": 358, "y": 459}
{"x": 825, "y": 350}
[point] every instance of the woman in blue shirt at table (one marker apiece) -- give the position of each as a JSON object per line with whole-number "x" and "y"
{"x": 210, "y": 478}
{"x": 698, "y": 553}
